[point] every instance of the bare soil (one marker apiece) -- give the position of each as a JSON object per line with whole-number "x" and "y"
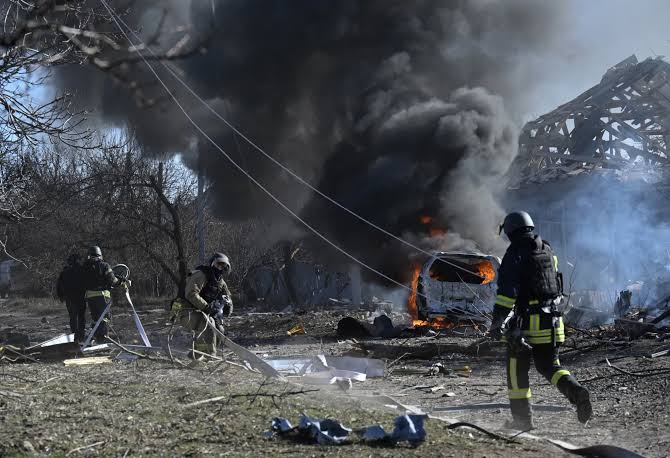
{"x": 142, "y": 407}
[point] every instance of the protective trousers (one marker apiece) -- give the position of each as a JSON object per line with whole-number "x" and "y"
{"x": 97, "y": 305}
{"x": 547, "y": 363}
{"x": 76, "y": 309}
{"x": 204, "y": 338}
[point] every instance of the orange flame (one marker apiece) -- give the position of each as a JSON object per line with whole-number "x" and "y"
{"x": 411, "y": 300}
{"x": 486, "y": 270}
{"x": 425, "y": 219}
{"x": 437, "y": 322}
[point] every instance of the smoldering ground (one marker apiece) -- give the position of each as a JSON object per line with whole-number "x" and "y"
{"x": 389, "y": 107}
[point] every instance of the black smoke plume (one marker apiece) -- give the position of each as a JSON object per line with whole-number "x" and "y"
{"x": 388, "y": 106}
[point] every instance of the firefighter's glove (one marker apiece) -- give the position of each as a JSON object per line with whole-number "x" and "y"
{"x": 227, "y": 306}
{"x": 215, "y": 310}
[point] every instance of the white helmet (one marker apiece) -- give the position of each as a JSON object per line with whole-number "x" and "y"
{"x": 220, "y": 261}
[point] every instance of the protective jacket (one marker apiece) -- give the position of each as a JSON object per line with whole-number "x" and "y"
{"x": 70, "y": 283}
{"x": 204, "y": 285}
{"x": 528, "y": 283}
{"x": 98, "y": 278}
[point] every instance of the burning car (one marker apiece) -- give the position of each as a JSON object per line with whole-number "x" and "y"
{"x": 453, "y": 286}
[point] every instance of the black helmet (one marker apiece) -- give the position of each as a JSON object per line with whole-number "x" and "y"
{"x": 94, "y": 252}
{"x": 515, "y": 221}
{"x": 220, "y": 258}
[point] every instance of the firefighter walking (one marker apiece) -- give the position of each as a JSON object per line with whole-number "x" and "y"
{"x": 206, "y": 292}
{"x": 530, "y": 286}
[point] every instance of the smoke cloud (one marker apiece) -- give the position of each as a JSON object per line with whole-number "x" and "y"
{"x": 393, "y": 108}
{"x": 609, "y": 232}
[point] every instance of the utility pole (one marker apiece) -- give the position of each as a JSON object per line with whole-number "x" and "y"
{"x": 201, "y": 209}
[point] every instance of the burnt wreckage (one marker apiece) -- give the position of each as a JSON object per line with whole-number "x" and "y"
{"x": 593, "y": 173}
{"x": 621, "y": 123}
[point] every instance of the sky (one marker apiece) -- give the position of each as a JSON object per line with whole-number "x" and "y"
{"x": 597, "y": 34}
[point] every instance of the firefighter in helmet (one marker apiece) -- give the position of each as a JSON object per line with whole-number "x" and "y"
{"x": 206, "y": 296}
{"x": 98, "y": 279}
{"x": 530, "y": 286}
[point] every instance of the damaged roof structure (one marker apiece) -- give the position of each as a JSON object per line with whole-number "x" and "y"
{"x": 593, "y": 173}
{"x": 622, "y": 123}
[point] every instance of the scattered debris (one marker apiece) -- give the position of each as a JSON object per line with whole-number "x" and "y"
{"x": 438, "y": 368}
{"x": 322, "y": 365}
{"x": 407, "y": 428}
{"x": 349, "y": 327}
{"x": 623, "y": 303}
{"x": 464, "y": 371}
{"x": 310, "y": 430}
{"x": 585, "y": 316}
{"x": 660, "y": 353}
{"x": 61, "y": 339}
{"x": 126, "y": 357}
{"x": 85, "y": 447}
{"x": 430, "y": 350}
{"x": 324, "y": 432}
{"x": 88, "y": 361}
{"x": 382, "y": 326}
{"x": 206, "y": 401}
{"x": 297, "y": 329}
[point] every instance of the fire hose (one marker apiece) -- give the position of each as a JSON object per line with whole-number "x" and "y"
{"x": 122, "y": 272}
{"x": 253, "y": 360}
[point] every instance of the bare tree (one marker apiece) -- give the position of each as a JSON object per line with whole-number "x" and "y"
{"x": 35, "y": 37}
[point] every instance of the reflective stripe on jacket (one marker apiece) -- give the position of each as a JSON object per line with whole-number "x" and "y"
{"x": 95, "y": 293}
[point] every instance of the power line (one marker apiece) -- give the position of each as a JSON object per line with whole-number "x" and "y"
{"x": 117, "y": 20}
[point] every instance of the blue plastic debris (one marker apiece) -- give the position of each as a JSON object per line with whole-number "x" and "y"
{"x": 409, "y": 428}
{"x": 281, "y": 425}
{"x": 374, "y": 434}
{"x": 324, "y": 432}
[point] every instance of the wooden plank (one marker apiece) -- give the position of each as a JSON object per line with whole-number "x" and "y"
{"x": 88, "y": 361}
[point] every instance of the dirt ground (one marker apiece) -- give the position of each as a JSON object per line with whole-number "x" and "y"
{"x": 142, "y": 407}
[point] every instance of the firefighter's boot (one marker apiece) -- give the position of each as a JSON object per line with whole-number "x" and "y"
{"x": 522, "y": 415}
{"x": 577, "y": 395}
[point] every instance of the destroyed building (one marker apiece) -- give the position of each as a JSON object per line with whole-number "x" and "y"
{"x": 593, "y": 173}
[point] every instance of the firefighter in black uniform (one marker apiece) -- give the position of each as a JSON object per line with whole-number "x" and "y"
{"x": 70, "y": 289}
{"x": 530, "y": 286}
{"x": 98, "y": 280}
